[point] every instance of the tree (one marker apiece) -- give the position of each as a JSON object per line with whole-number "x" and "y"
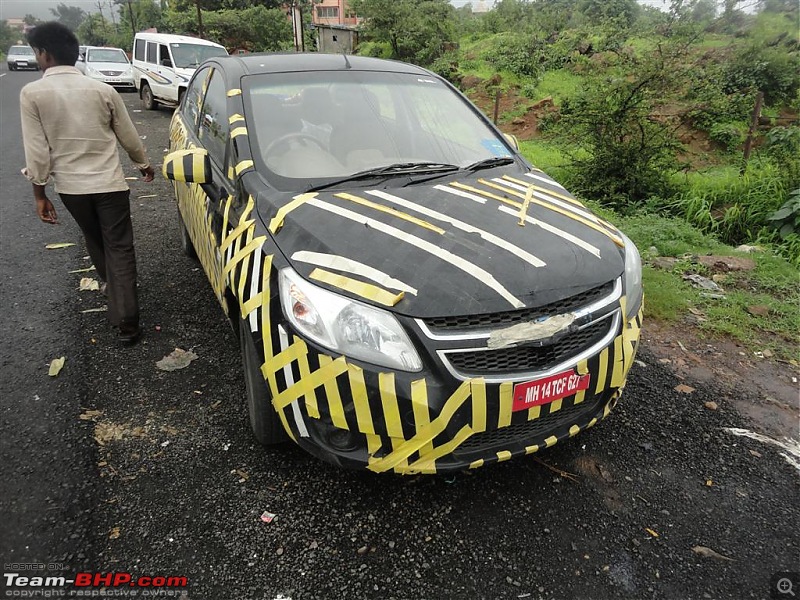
{"x": 8, "y": 35}
{"x": 418, "y": 31}
{"x": 30, "y": 20}
{"x": 71, "y": 16}
{"x": 257, "y": 28}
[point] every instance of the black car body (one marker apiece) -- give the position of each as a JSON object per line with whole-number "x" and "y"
{"x": 410, "y": 294}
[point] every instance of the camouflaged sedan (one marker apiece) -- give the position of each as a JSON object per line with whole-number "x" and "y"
{"x": 409, "y": 293}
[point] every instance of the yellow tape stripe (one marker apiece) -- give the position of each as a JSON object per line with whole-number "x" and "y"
{"x": 243, "y": 165}
{"x": 390, "y": 211}
{"x": 335, "y": 407}
{"x": 246, "y": 262}
{"x": 198, "y": 166}
{"x": 277, "y": 222}
{"x": 479, "y": 405}
{"x": 571, "y": 215}
{"x": 225, "y": 220}
{"x": 618, "y": 372}
{"x": 422, "y": 415}
{"x": 310, "y": 383}
{"x": 242, "y": 253}
{"x": 234, "y": 92}
{"x": 602, "y": 372}
{"x": 235, "y": 117}
{"x": 427, "y": 464}
{"x": 534, "y": 412}
{"x": 503, "y": 455}
{"x": 284, "y": 358}
{"x": 523, "y": 210}
{"x": 555, "y": 405}
{"x": 476, "y": 464}
{"x": 558, "y": 195}
{"x": 244, "y": 223}
{"x": 506, "y": 401}
{"x": 310, "y": 396}
{"x": 360, "y": 399}
{"x": 359, "y": 288}
{"x": 238, "y": 131}
{"x": 574, "y": 430}
{"x": 582, "y": 369}
{"x": 424, "y": 435}
{"x": 469, "y": 188}
{"x": 391, "y": 411}
{"x": 266, "y": 328}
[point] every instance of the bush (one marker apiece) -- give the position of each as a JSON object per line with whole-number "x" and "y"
{"x": 770, "y": 69}
{"x": 729, "y": 135}
{"x": 516, "y": 53}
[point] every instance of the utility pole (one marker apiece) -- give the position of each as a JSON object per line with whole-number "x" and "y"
{"x": 199, "y": 19}
{"x": 133, "y": 21}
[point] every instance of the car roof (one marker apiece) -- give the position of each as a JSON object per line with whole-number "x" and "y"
{"x": 172, "y": 38}
{"x": 19, "y": 47}
{"x": 256, "y": 64}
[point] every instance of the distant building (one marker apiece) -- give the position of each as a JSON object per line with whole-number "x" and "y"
{"x": 336, "y": 25}
{"x": 481, "y": 6}
{"x": 333, "y": 12}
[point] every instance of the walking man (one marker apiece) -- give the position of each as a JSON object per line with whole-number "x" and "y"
{"x": 70, "y": 128}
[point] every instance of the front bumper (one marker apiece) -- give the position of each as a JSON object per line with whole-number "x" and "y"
{"x": 427, "y": 422}
{"x": 120, "y": 83}
{"x": 23, "y": 64}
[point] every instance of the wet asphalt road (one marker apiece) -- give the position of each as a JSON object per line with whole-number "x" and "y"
{"x": 162, "y": 477}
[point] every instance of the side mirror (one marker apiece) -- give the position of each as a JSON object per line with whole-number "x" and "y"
{"x": 189, "y": 166}
{"x": 512, "y": 139}
{"x": 166, "y": 62}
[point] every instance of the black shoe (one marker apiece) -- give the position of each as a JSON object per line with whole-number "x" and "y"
{"x": 129, "y": 334}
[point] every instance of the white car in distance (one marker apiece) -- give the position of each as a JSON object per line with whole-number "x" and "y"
{"x": 109, "y": 65}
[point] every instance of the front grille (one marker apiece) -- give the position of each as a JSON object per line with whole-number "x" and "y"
{"x": 526, "y": 359}
{"x": 512, "y": 317}
{"x": 528, "y": 432}
{"x": 111, "y": 73}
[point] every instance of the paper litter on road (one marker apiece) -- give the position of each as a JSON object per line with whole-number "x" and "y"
{"x": 709, "y": 553}
{"x": 177, "y": 359}
{"x": 56, "y": 365}
{"x": 89, "y": 284}
{"x": 268, "y": 517}
{"x": 103, "y": 308}
{"x": 59, "y": 245}
{"x": 148, "y": 196}
{"x": 131, "y": 178}
{"x": 86, "y": 270}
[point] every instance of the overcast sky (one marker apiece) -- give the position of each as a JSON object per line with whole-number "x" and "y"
{"x": 10, "y": 9}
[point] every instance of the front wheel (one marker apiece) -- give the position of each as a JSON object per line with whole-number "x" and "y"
{"x": 264, "y": 421}
{"x": 148, "y": 100}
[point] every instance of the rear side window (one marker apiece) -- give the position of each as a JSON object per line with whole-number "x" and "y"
{"x": 152, "y": 53}
{"x": 138, "y": 50}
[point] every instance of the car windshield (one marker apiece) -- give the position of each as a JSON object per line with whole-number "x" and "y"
{"x": 106, "y": 55}
{"x": 310, "y": 128}
{"x": 191, "y": 55}
{"x": 25, "y": 50}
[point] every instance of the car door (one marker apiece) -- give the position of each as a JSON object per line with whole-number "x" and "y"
{"x": 203, "y": 206}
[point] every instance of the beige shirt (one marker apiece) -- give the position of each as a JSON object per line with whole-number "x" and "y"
{"x": 70, "y": 127}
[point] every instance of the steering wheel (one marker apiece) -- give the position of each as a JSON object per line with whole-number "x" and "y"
{"x": 285, "y": 139}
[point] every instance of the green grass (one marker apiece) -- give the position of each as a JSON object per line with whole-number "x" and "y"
{"x": 544, "y": 155}
{"x": 558, "y": 84}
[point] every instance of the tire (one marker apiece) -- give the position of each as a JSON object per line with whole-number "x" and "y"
{"x": 264, "y": 421}
{"x": 187, "y": 247}
{"x": 12, "y": 68}
{"x": 148, "y": 100}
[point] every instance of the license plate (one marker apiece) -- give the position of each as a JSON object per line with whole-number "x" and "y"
{"x": 544, "y": 391}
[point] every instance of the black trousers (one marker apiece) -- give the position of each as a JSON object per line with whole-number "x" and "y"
{"x": 105, "y": 220}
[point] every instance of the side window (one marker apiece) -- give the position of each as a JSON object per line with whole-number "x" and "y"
{"x": 163, "y": 54}
{"x": 152, "y": 52}
{"x": 194, "y": 99}
{"x": 213, "y": 131}
{"x": 138, "y": 51}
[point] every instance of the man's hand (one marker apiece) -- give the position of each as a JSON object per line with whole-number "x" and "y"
{"x": 148, "y": 173}
{"x": 46, "y": 210}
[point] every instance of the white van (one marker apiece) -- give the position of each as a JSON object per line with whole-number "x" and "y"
{"x": 163, "y": 64}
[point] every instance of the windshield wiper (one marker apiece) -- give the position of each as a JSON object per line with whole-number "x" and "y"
{"x": 408, "y": 168}
{"x": 488, "y": 163}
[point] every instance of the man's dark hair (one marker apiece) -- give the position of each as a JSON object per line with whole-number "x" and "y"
{"x": 57, "y": 40}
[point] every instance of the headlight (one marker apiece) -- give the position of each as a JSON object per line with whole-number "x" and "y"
{"x": 633, "y": 277}
{"x": 345, "y": 326}
{"x": 91, "y": 70}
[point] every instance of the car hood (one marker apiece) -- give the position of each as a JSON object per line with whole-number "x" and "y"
{"x": 453, "y": 248}
{"x": 109, "y": 66}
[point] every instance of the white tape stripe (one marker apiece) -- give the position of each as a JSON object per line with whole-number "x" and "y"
{"x": 474, "y": 271}
{"x": 461, "y": 193}
{"x": 546, "y": 180}
{"x": 489, "y": 237}
{"x": 287, "y": 372}
{"x": 552, "y": 200}
{"x": 554, "y": 230}
{"x": 347, "y": 265}
{"x": 255, "y": 280}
